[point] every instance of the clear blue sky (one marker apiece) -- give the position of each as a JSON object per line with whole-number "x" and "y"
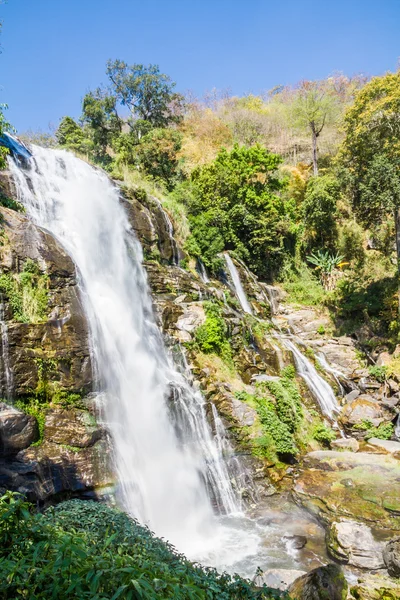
{"x": 55, "y": 50}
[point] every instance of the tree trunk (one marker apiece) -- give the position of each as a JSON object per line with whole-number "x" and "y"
{"x": 397, "y": 228}
{"x": 314, "y": 151}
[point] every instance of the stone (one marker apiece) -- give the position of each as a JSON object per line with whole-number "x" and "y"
{"x": 17, "y": 430}
{"x": 391, "y": 556}
{"x": 49, "y": 470}
{"x": 75, "y": 428}
{"x": 364, "y": 408}
{"x": 327, "y": 582}
{"x": 353, "y": 543}
{"x": 349, "y": 443}
{"x": 384, "y": 359}
{"x": 352, "y": 395}
{"x": 388, "y": 446}
{"x": 279, "y": 579}
{"x": 297, "y": 542}
{"x": 376, "y": 587}
{"x": 351, "y": 485}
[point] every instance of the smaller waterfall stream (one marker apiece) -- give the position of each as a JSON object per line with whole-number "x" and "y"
{"x": 317, "y": 385}
{"x": 237, "y": 284}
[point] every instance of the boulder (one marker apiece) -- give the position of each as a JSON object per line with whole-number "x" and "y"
{"x": 349, "y": 443}
{"x": 51, "y": 471}
{"x": 279, "y": 579}
{"x": 323, "y": 583}
{"x": 391, "y": 557}
{"x": 386, "y": 445}
{"x": 353, "y": 543}
{"x": 352, "y": 395}
{"x": 351, "y": 485}
{"x": 74, "y": 428}
{"x": 364, "y": 408}
{"x": 17, "y": 430}
{"x": 376, "y": 587}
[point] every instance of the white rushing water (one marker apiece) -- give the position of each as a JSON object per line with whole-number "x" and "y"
{"x": 237, "y": 284}
{"x": 172, "y": 475}
{"x": 317, "y": 385}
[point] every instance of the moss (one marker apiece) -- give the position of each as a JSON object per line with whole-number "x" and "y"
{"x": 279, "y": 409}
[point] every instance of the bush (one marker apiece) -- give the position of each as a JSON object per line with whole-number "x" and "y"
{"x": 211, "y": 336}
{"x": 323, "y": 434}
{"x": 86, "y": 550}
{"x": 379, "y": 372}
{"x": 234, "y": 205}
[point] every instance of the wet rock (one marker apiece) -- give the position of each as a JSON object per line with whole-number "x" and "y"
{"x": 353, "y": 543}
{"x": 386, "y": 445}
{"x": 326, "y": 582}
{"x": 75, "y": 428}
{"x": 346, "y": 444}
{"x": 17, "y": 430}
{"x": 49, "y": 471}
{"x": 297, "y": 542}
{"x": 391, "y": 556}
{"x": 351, "y": 485}
{"x": 279, "y": 579}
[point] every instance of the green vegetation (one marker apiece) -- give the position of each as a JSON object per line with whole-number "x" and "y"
{"x": 27, "y": 293}
{"x": 86, "y": 550}
{"x": 212, "y": 335}
{"x": 279, "y": 408}
{"x": 234, "y": 204}
{"x": 379, "y": 372}
{"x": 383, "y": 431}
{"x": 323, "y": 434}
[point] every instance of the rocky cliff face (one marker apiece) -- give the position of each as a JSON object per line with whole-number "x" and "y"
{"x": 50, "y": 444}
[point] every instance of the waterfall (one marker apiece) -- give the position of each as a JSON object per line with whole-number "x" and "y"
{"x": 170, "y": 229}
{"x": 397, "y": 428}
{"x": 320, "y": 389}
{"x": 202, "y": 271}
{"x": 168, "y": 464}
{"x": 7, "y": 390}
{"x": 237, "y": 284}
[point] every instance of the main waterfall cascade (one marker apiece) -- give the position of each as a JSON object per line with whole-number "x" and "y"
{"x": 168, "y": 464}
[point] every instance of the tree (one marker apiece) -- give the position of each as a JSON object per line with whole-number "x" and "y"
{"x": 70, "y": 135}
{"x": 158, "y": 154}
{"x": 235, "y": 206}
{"x": 319, "y": 212}
{"x": 102, "y": 120}
{"x": 314, "y": 106}
{"x": 147, "y": 93}
{"x": 371, "y": 153}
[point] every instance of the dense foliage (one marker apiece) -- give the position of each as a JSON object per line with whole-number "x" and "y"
{"x": 86, "y": 550}
{"x": 235, "y": 205}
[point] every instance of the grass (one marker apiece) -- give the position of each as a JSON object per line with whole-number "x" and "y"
{"x": 302, "y": 287}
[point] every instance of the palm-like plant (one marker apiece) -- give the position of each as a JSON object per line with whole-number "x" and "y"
{"x": 327, "y": 264}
